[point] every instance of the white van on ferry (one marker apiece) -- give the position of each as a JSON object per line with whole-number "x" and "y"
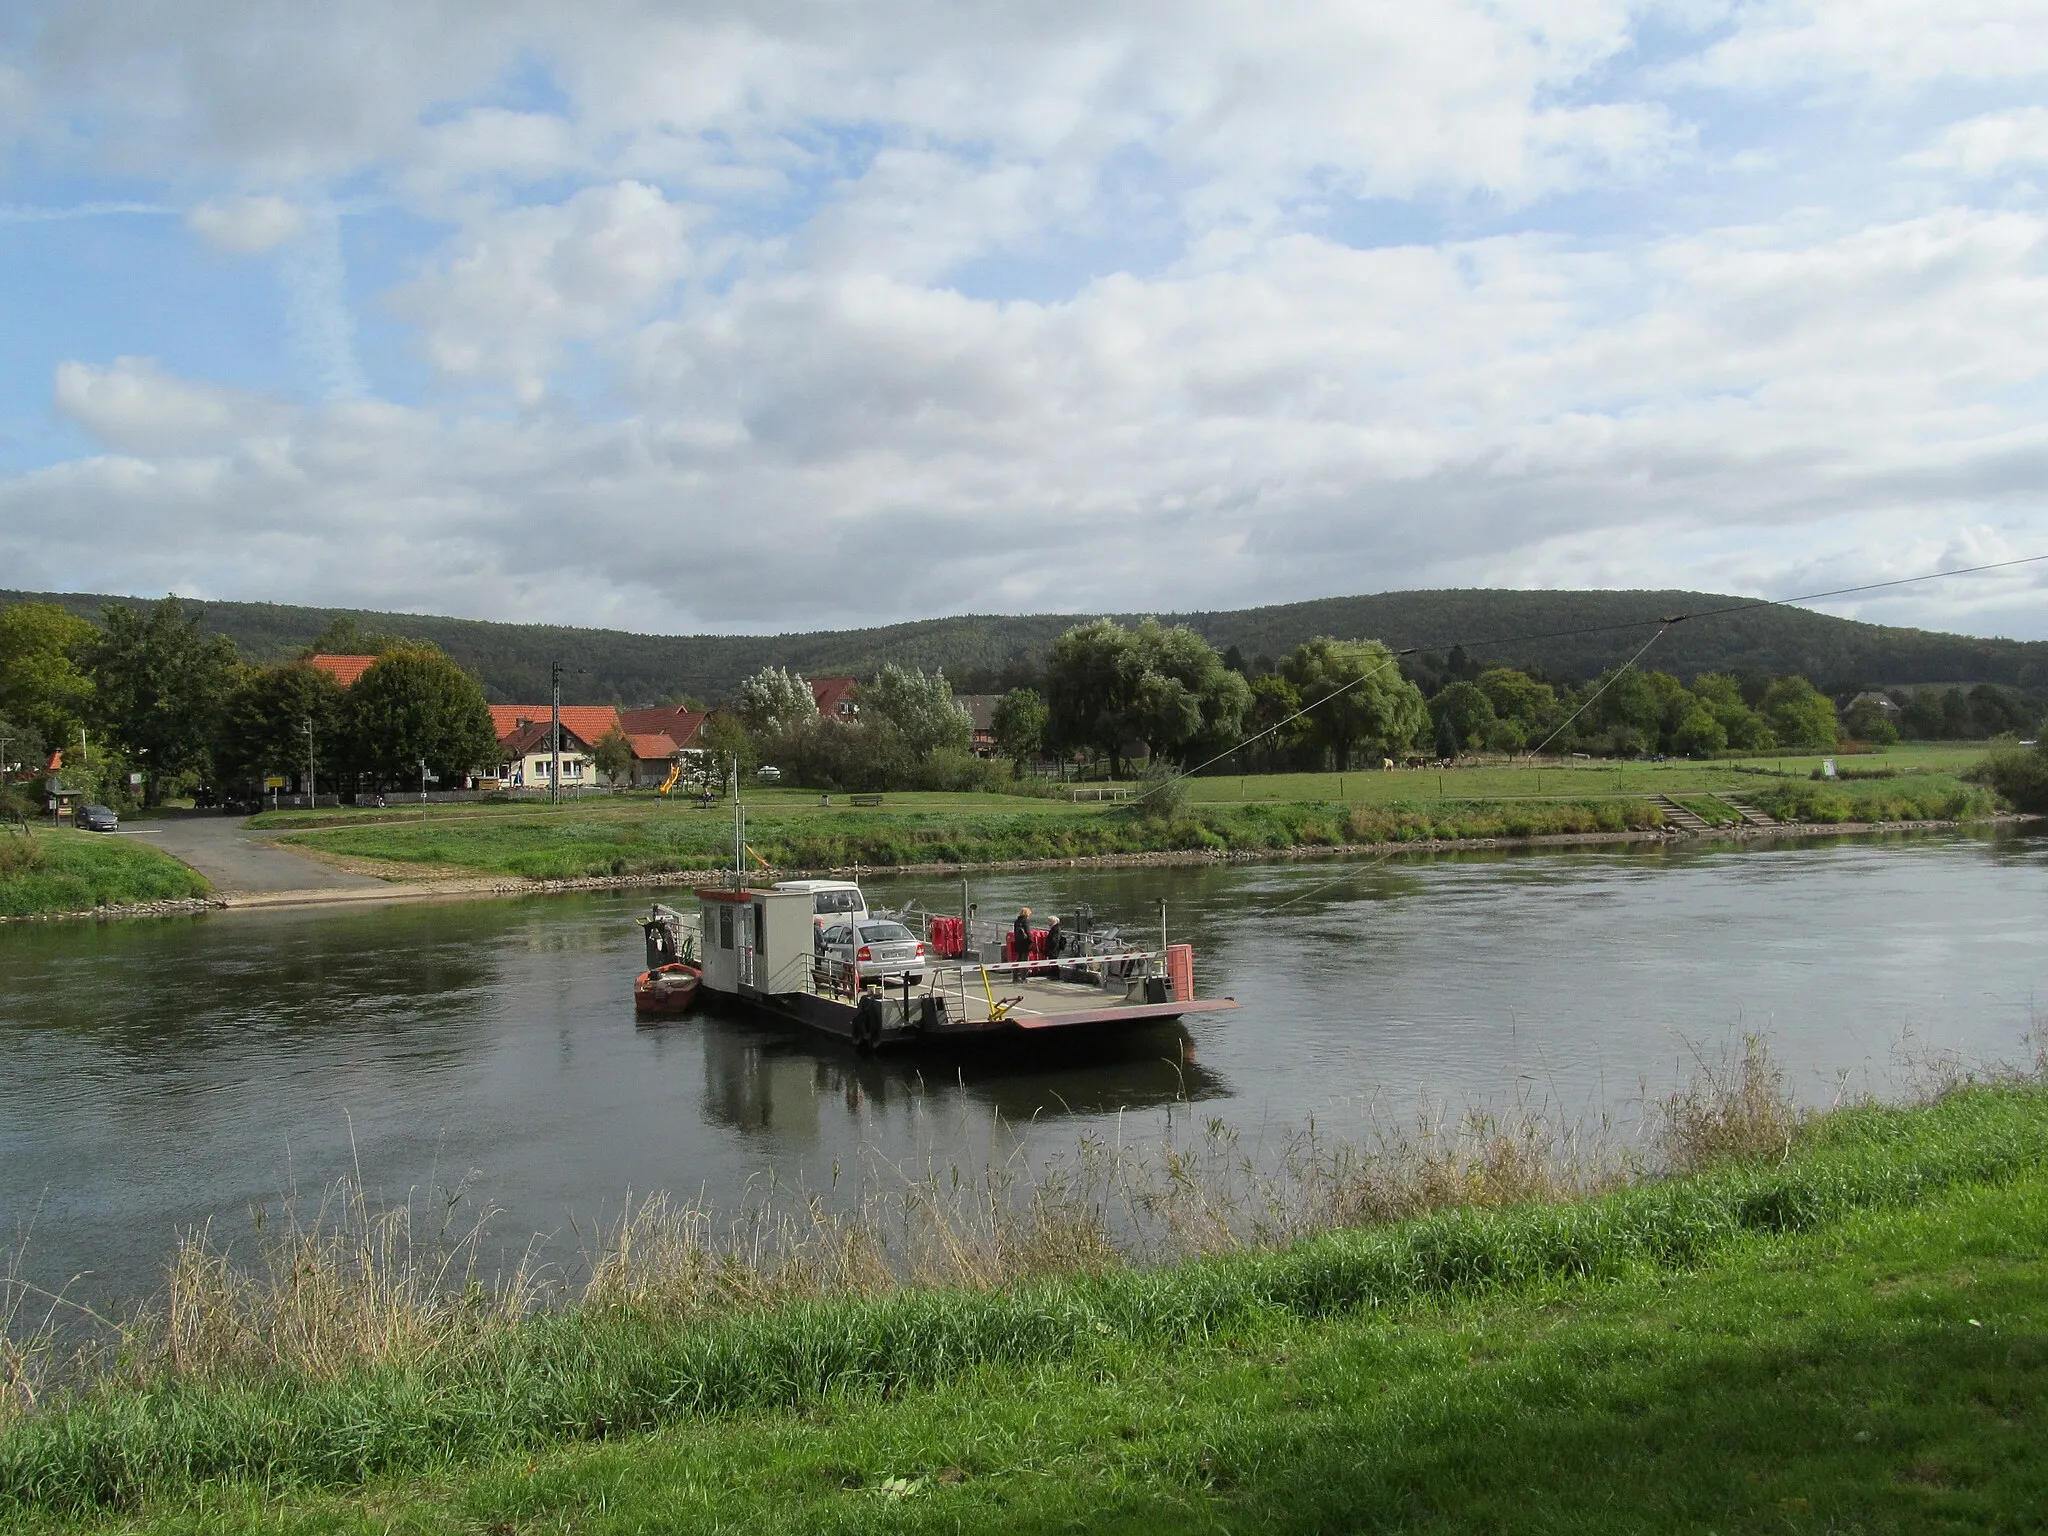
{"x": 832, "y": 901}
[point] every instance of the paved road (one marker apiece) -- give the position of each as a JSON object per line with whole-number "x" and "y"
{"x": 238, "y": 862}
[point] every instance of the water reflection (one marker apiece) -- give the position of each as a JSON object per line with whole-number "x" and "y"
{"x": 768, "y": 1077}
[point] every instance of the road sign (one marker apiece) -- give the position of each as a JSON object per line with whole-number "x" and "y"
{"x": 275, "y": 781}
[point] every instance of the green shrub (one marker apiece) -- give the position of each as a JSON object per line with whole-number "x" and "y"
{"x": 2018, "y": 774}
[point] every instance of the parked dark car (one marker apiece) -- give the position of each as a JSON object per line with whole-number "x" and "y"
{"x": 97, "y": 818}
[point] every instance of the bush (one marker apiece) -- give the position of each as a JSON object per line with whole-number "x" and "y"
{"x": 1162, "y": 792}
{"x": 2018, "y": 774}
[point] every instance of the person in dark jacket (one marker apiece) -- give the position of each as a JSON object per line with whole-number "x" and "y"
{"x": 1052, "y": 937}
{"x": 1020, "y": 933}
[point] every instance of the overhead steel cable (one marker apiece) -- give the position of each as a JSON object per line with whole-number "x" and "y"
{"x": 1663, "y": 623}
{"x": 1613, "y": 678}
{"x": 1742, "y": 607}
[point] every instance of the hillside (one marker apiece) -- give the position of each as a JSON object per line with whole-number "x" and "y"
{"x": 620, "y": 667}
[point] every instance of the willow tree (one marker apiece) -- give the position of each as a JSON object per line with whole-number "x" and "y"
{"x": 1356, "y": 697}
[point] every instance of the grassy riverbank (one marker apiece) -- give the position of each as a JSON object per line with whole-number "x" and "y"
{"x": 47, "y": 870}
{"x": 1848, "y": 1327}
{"x": 630, "y": 836}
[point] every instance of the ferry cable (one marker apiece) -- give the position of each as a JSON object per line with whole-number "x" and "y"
{"x": 1612, "y": 678}
{"x": 1745, "y": 607}
{"x": 1663, "y": 624}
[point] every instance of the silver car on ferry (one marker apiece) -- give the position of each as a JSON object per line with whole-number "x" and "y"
{"x": 883, "y": 949}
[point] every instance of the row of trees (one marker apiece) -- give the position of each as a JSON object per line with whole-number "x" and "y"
{"x": 149, "y": 693}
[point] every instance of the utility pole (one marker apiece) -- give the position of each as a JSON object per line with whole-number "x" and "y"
{"x": 555, "y": 737}
{"x": 312, "y": 787}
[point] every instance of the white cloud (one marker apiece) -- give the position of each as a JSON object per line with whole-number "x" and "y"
{"x": 245, "y": 225}
{"x": 1984, "y": 146}
{"x": 133, "y": 406}
{"x": 531, "y": 280}
{"x": 1330, "y": 419}
{"x": 1887, "y": 43}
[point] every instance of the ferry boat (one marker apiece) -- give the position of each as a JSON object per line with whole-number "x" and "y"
{"x": 763, "y": 950}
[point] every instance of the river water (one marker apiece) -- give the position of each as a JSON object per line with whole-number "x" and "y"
{"x": 155, "y": 1074}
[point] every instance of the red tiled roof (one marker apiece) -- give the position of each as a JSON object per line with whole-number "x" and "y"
{"x": 652, "y": 748}
{"x": 590, "y": 722}
{"x": 533, "y": 736}
{"x": 343, "y": 669}
{"x": 678, "y": 724}
{"x": 832, "y": 692}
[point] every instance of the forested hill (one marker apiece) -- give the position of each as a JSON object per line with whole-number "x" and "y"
{"x": 621, "y": 667}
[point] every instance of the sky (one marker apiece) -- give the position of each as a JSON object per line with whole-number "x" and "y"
{"x": 751, "y": 317}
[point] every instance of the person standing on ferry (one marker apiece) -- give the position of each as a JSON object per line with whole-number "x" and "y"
{"x": 1020, "y": 934}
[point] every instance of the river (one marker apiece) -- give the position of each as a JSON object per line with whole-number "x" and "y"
{"x": 155, "y": 1074}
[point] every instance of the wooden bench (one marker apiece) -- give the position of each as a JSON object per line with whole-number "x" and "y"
{"x": 867, "y": 799}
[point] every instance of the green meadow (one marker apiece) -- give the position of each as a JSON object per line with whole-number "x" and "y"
{"x": 623, "y": 835}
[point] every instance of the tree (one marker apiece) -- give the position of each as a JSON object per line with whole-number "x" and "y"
{"x": 41, "y": 683}
{"x": 159, "y": 684}
{"x": 1019, "y": 724}
{"x": 1798, "y": 714}
{"x": 1630, "y": 709}
{"x": 1276, "y": 720}
{"x": 343, "y": 636}
{"x": 1699, "y": 734}
{"x": 1462, "y": 714}
{"x": 262, "y": 727}
{"x": 1356, "y": 697}
{"x": 20, "y": 743}
{"x": 1518, "y": 697}
{"x": 1185, "y": 702}
{"x": 1743, "y": 728}
{"x": 1106, "y": 685}
{"x": 1920, "y": 717}
{"x": 1087, "y": 678}
{"x": 725, "y": 740}
{"x": 613, "y": 755}
{"x": 921, "y": 708}
{"x": 1868, "y": 720}
{"x": 774, "y": 699}
{"x": 416, "y": 706}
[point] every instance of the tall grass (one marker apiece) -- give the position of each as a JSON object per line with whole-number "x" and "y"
{"x": 355, "y": 1346}
{"x": 1911, "y": 797}
{"x": 44, "y": 872}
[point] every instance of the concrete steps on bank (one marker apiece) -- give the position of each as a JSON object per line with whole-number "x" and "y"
{"x": 1681, "y": 820}
{"x": 1749, "y": 813}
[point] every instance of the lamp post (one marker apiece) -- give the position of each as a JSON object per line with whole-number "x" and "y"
{"x": 312, "y": 787}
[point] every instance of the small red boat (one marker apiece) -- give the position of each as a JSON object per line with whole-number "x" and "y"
{"x": 670, "y": 988}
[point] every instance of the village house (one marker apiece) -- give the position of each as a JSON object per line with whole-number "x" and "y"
{"x": 525, "y": 744}
{"x": 345, "y": 670}
{"x": 834, "y": 697}
{"x": 664, "y": 738}
{"x": 981, "y": 709}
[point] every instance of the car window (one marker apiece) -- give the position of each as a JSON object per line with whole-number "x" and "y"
{"x": 884, "y": 933}
{"x": 835, "y": 901}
